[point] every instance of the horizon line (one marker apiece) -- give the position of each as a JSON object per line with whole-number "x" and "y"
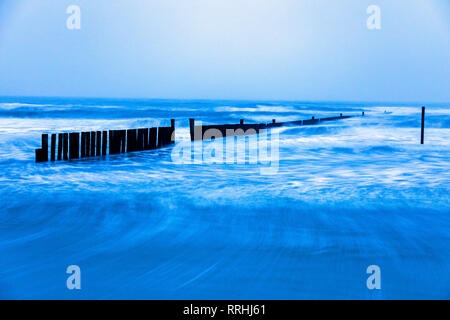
{"x": 228, "y": 99}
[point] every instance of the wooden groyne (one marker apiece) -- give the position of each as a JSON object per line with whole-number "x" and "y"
{"x": 422, "y": 127}
{"x": 78, "y": 145}
{"x": 209, "y": 132}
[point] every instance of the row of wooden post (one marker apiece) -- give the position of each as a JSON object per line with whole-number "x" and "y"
{"x": 198, "y": 132}
{"x": 256, "y": 127}
{"x": 120, "y": 141}
{"x": 95, "y": 143}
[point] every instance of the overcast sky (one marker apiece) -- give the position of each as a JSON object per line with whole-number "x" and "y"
{"x": 227, "y": 49}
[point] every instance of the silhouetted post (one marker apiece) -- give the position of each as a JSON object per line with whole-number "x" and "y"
{"x": 140, "y": 140}
{"x": 340, "y": 115}
{"x": 60, "y": 145}
{"x": 363, "y": 113}
{"x": 163, "y": 136}
{"x": 53, "y": 148}
{"x": 88, "y": 144}
{"x": 422, "y": 136}
{"x": 74, "y": 151}
{"x": 99, "y": 143}
{"x": 93, "y": 144}
{"x": 273, "y": 121}
{"x": 172, "y": 131}
{"x": 242, "y": 121}
{"x": 160, "y": 137}
{"x": 146, "y": 145}
{"x": 123, "y": 137}
{"x": 118, "y": 141}
{"x": 45, "y": 147}
{"x": 312, "y": 118}
{"x": 38, "y": 154}
{"x": 65, "y": 146}
{"x": 192, "y": 128}
{"x": 42, "y": 154}
{"x": 115, "y": 141}
{"x": 111, "y": 142}
{"x": 152, "y": 138}
{"x": 131, "y": 140}
{"x": 83, "y": 144}
{"x": 104, "y": 142}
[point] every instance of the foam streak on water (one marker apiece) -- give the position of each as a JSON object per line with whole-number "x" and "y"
{"x": 348, "y": 194}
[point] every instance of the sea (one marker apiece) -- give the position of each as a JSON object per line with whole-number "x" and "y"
{"x": 344, "y": 198}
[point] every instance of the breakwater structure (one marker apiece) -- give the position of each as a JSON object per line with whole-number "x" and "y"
{"x": 80, "y": 145}
{"x": 209, "y": 132}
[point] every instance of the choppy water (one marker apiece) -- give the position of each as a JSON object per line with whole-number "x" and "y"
{"x": 348, "y": 194}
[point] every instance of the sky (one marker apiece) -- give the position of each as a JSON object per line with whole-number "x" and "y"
{"x": 307, "y": 50}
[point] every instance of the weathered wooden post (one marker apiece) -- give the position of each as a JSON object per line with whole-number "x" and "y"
{"x": 45, "y": 147}
{"x": 38, "y": 155}
{"x": 92, "y": 143}
{"x": 60, "y": 145}
{"x": 99, "y": 143}
{"x": 140, "y": 140}
{"x": 172, "y": 131}
{"x": 42, "y": 154}
{"x": 123, "y": 137}
{"x": 88, "y": 144}
{"x": 163, "y": 136}
{"x": 422, "y": 132}
{"x": 105, "y": 142}
{"x": 160, "y": 137}
{"x": 152, "y": 137}
{"x": 111, "y": 142}
{"x": 74, "y": 151}
{"x": 114, "y": 141}
{"x": 146, "y": 145}
{"x": 66, "y": 146}
{"x": 131, "y": 140}
{"x": 192, "y": 128}
{"x": 83, "y": 145}
{"x": 53, "y": 148}
{"x": 71, "y": 144}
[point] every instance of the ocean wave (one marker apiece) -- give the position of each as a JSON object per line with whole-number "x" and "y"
{"x": 356, "y": 192}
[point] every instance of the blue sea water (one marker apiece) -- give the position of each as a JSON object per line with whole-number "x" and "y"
{"x": 347, "y": 195}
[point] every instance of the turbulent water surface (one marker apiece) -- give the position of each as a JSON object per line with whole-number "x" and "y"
{"x": 345, "y": 195}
